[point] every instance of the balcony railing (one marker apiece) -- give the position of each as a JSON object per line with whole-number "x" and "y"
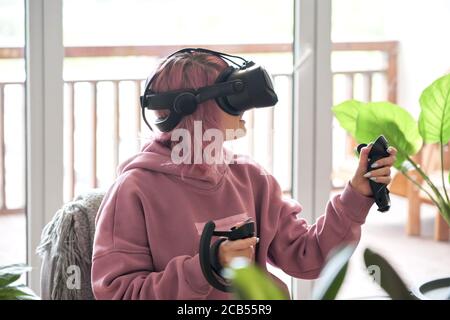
{"x": 87, "y": 124}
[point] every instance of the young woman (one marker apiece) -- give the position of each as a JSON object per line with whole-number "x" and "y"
{"x": 150, "y": 221}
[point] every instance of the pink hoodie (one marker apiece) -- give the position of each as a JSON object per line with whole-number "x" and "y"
{"x": 150, "y": 221}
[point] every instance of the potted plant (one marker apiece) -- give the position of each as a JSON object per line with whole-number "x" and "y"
{"x": 250, "y": 283}
{"x": 365, "y": 121}
{"x": 9, "y": 274}
{"x": 384, "y": 275}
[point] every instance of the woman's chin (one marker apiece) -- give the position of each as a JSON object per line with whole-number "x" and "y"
{"x": 237, "y": 132}
{"x": 242, "y": 130}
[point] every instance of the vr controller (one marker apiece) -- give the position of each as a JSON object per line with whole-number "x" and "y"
{"x": 208, "y": 253}
{"x": 379, "y": 190}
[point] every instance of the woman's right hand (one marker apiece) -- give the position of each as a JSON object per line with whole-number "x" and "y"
{"x": 237, "y": 248}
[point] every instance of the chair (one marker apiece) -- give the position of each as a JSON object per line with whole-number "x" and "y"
{"x": 429, "y": 160}
{"x": 66, "y": 249}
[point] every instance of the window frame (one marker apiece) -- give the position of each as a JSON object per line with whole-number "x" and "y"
{"x": 44, "y": 53}
{"x": 312, "y": 119}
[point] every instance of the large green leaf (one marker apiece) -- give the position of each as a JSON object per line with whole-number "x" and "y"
{"x": 390, "y": 281}
{"x": 392, "y": 121}
{"x": 346, "y": 113}
{"x": 251, "y": 283}
{"x": 17, "y": 293}
{"x": 11, "y": 273}
{"x": 333, "y": 274}
{"x": 8, "y": 279}
{"x": 434, "y": 119}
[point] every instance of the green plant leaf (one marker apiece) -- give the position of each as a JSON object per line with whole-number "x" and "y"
{"x": 390, "y": 281}
{"x": 17, "y": 268}
{"x": 16, "y": 293}
{"x": 11, "y": 273}
{"x": 346, "y": 113}
{"x": 333, "y": 274}
{"x": 392, "y": 121}
{"x": 29, "y": 294}
{"x": 434, "y": 119}
{"x": 251, "y": 283}
{"x": 8, "y": 279}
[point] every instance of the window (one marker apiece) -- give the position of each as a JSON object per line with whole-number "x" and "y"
{"x": 13, "y": 239}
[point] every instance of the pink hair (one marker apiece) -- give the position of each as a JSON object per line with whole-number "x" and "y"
{"x": 190, "y": 70}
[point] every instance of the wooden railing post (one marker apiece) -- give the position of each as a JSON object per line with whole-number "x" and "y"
{"x": 70, "y": 140}
{"x": 137, "y": 95}
{"x": 116, "y": 125}
{"x": 2, "y": 149}
{"x": 392, "y": 73}
{"x": 94, "y": 134}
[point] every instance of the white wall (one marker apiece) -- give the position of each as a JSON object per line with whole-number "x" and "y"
{"x": 421, "y": 26}
{"x": 423, "y": 29}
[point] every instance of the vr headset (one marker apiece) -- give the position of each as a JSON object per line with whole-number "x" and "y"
{"x": 237, "y": 89}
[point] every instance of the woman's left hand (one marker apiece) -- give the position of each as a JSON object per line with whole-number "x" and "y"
{"x": 382, "y": 173}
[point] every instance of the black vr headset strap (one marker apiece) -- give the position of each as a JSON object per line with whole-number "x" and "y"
{"x": 170, "y": 122}
{"x": 160, "y": 101}
{"x": 219, "y": 90}
{"x": 165, "y": 100}
{"x": 165, "y": 124}
{"x": 145, "y": 119}
{"x": 215, "y": 53}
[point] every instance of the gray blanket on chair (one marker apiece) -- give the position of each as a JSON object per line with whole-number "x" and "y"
{"x": 66, "y": 249}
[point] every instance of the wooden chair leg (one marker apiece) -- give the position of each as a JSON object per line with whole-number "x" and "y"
{"x": 414, "y": 202}
{"x": 413, "y": 224}
{"x": 441, "y": 228}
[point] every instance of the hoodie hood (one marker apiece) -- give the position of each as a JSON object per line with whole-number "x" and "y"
{"x": 155, "y": 156}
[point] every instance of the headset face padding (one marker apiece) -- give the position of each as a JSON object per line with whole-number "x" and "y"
{"x": 222, "y": 101}
{"x": 236, "y": 90}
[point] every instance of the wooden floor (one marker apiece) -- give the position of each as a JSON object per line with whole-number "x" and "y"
{"x": 416, "y": 258}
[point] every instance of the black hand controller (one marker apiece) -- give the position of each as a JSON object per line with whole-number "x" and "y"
{"x": 246, "y": 230}
{"x": 379, "y": 190}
